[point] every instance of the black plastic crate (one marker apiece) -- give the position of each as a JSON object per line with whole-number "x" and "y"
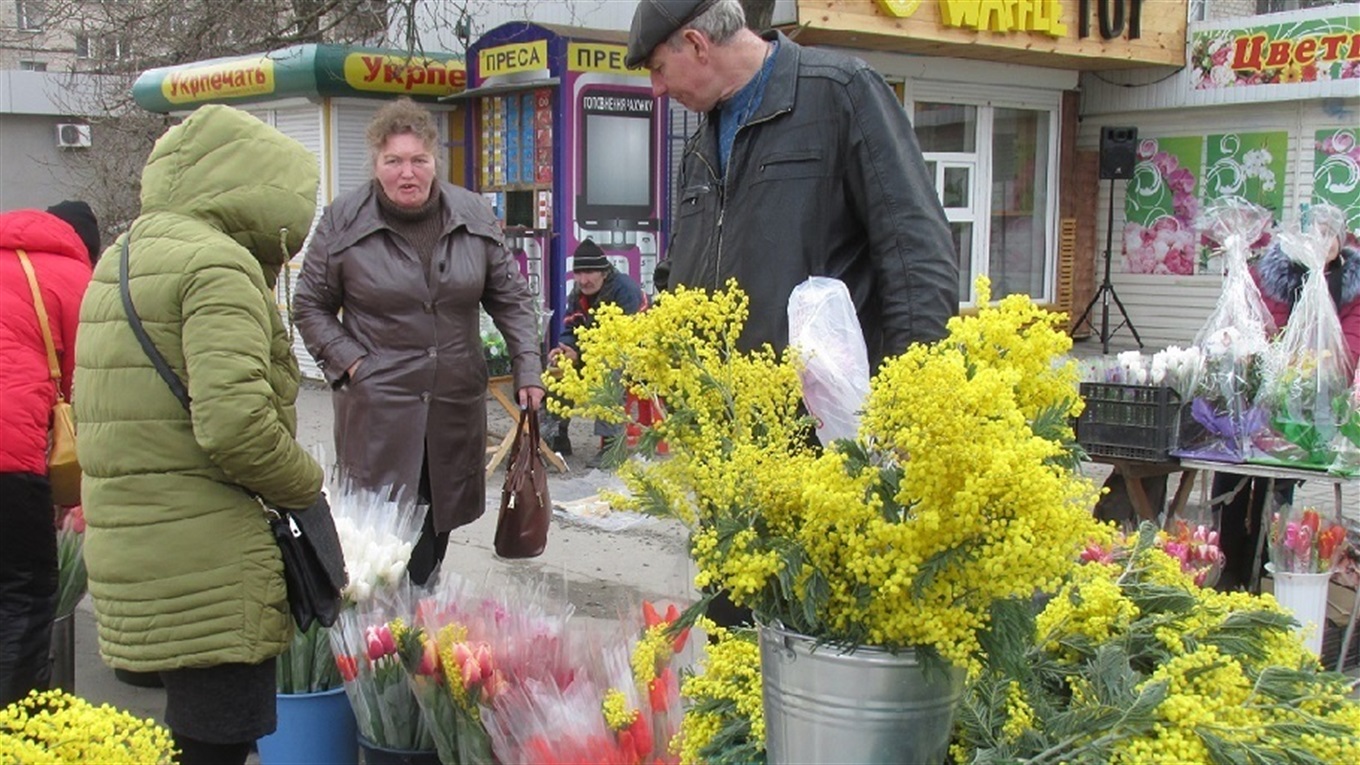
{"x": 1131, "y": 422}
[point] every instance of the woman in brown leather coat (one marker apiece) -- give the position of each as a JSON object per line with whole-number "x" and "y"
{"x": 387, "y": 304}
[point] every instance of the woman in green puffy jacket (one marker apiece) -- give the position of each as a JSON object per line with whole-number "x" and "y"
{"x": 185, "y": 575}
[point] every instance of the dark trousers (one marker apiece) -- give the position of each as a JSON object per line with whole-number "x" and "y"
{"x": 430, "y": 547}
{"x": 28, "y": 584}
{"x": 1240, "y": 502}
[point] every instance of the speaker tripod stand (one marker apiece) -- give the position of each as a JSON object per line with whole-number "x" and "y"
{"x": 1105, "y": 293}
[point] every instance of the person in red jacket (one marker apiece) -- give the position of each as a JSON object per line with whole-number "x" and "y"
{"x": 61, "y": 259}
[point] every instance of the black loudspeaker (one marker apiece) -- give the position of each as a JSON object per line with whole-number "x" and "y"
{"x": 1118, "y": 152}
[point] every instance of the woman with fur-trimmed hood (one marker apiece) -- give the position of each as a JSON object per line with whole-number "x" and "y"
{"x": 1241, "y": 500}
{"x": 1281, "y": 278}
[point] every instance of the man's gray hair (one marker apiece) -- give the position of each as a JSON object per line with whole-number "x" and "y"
{"x": 719, "y": 23}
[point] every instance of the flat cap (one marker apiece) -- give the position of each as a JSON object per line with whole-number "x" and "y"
{"x": 655, "y": 21}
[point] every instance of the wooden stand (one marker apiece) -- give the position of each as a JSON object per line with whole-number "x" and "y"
{"x": 502, "y": 389}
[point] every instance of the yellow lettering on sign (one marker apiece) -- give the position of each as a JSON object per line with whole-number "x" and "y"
{"x": 1004, "y": 16}
{"x": 232, "y": 79}
{"x": 599, "y": 57}
{"x": 382, "y": 73}
{"x": 899, "y": 8}
{"x": 518, "y": 57}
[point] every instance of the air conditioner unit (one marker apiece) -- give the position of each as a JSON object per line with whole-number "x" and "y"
{"x": 73, "y": 136}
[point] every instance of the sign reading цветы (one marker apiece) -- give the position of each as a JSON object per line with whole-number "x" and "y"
{"x": 1298, "y": 50}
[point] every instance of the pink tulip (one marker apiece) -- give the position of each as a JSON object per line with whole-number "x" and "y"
{"x": 375, "y": 646}
{"x": 429, "y": 658}
{"x": 1304, "y": 544}
{"x": 389, "y": 645}
{"x": 484, "y": 663}
{"x": 472, "y": 675}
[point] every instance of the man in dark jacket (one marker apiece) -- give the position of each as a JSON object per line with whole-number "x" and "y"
{"x": 805, "y": 165}
{"x": 596, "y": 282}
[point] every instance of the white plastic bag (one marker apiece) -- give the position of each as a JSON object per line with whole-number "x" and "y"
{"x": 824, "y": 331}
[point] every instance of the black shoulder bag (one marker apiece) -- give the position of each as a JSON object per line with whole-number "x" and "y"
{"x": 313, "y": 563}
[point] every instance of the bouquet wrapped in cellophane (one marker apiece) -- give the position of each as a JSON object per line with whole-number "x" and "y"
{"x": 377, "y": 530}
{"x": 473, "y": 641}
{"x": 622, "y": 706}
{"x": 1302, "y": 541}
{"x": 1306, "y": 377}
{"x": 72, "y": 581}
{"x": 1236, "y": 333}
{"x": 365, "y": 640}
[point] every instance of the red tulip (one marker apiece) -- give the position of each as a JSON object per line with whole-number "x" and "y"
{"x": 660, "y": 690}
{"x": 649, "y": 615}
{"x": 1312, "y": 520}
{"x": 348, "y": 668}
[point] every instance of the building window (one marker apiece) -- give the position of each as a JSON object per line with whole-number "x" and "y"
{"x": 994, "y": 171}
{"x": 83, "y": 46}
{"x": 28, "y": 15}
{"x": 1278, "y": 6}
{"x": 33, "y": 66}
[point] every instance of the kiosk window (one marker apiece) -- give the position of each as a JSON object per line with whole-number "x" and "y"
{"x": 618, "y": 161}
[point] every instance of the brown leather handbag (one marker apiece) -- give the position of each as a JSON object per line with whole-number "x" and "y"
{"x": 63, "y": 469}
{"x": 526, "y": 510}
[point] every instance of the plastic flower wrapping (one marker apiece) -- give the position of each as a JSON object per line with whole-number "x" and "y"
{"x": 1132, "y": 662}
{"x": 56, "y": 727}
{"x": 1302, "y": 541}
{"x": 307, "y": 666}
{"x": 1175, "y": 367}
{"x": 960, "y": 491}
{"x": 72, "y": 580}
{"x": 365, "y": 642}
{"x": 1306, "y": 376}
{"x": 621, "y": 703}
{"x": 1231, "y": 340}
{"x": 377, "y": 530}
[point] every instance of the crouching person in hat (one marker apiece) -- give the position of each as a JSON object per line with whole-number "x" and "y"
{"x": 596, "y": 282}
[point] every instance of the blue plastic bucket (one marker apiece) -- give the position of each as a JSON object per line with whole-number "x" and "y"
{"x": 314, "y": 728}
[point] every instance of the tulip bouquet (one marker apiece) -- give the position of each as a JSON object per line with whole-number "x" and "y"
{"x": 365, "y": 640}
{"x": 469, "y": 645}
{"x": 601, "y": 715}
{"x": 1196, "y": 550}
{"x": 1303, "y": 542}
{"x": 377, "y": 533}
{"x": 654, "y": 675}
{"x": 1173, "y": 366}
{"x": 419, "y": 652}
{"x": 71, "y": 577}
{"x": 308, "y": 666}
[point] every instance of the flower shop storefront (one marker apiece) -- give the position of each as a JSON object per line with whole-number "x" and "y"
{"x": 1265, "y": 109}
{"x": 992, "y": 90}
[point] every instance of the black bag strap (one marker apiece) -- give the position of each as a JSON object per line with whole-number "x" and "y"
{"x": 157, "y": 360}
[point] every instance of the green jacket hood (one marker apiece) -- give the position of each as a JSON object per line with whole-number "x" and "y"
{"x": 228, "y": 169}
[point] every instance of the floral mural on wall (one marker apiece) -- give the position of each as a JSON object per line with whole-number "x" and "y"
{"x": 1336, "y": 175}
{"x": 1160, "y": 205}
{"x": 1247, "y": 165}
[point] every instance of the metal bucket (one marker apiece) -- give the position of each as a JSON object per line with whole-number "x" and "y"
{"x": 868, "y": 706}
